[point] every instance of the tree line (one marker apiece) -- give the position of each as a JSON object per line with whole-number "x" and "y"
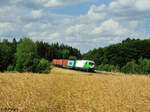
{"x": 26, "y": 55}
{"x": 129, "y": 56}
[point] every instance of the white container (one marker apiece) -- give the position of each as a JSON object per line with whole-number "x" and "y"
{"x": 80, "y": 63}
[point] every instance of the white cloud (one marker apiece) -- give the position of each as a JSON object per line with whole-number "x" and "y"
{"x": 143, "y": 5}
{"x": 37, "y": 4}
{"x": 76, "y": 29}
{"x": 53, "y": 36}
{"x": 44, "y": 34}
{"x": 44, "y": 26}
{"x": 130, "y": 8}
{"x": 5, "y": 27}
{"x": 28, "y": 26}
{"x": 36, "y": 13}
{"x": 32, "y": 34}
{"x": 110, "y": 27}
{"x": 133, "y": 24}
{"x": 96, "y": 13}
{"x": 101, "y": 25}
{"x": 53, "y": 3}
{"x": 39, "y": 35}
{"x": 56, "y": 3}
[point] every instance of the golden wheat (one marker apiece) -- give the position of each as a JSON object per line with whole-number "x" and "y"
{"x": 71, "y": 91}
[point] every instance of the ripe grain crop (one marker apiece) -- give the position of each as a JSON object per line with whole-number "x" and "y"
{"x": 71, "y": 91}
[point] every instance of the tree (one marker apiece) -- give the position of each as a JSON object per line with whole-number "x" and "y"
{"x": 14, "y": 46}
{"x": 56, "y": 51}
{"x": 96, "y": 55}
{"x": 25, "y": 54}
{"x": 0, "y": 59}
{"x": 130, "y": 67}
{"x": 72, "y": 58}
{"x": 6, "y": 55}
{"x": 144, "y": 65}
{"x": 120, "y": 54}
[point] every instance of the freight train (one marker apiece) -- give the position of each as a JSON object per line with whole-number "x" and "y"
{"x": 86, "y": 65}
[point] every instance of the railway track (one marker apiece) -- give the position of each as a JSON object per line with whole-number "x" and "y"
{"x": 82, "y": 71}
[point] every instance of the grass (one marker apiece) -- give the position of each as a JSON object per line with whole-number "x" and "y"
{"x": 71, "y": 91}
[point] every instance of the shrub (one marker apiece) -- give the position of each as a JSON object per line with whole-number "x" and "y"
{"x": 130, "y": 67}
{"x": 144, "y": 65}
{"x": 35, "y": 69}
{"x": 107, "y": 67}
{"x": 112, "y": 68}
{"x": 117, "y": 68}
{"x": 10, "y": 68}
{"x": 43, "y": 66}
{"x": 100, "y": 67}
{"x": 96, "y": 67}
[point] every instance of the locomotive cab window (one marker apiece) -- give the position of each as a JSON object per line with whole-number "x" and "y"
{"x": 90, "y": 63}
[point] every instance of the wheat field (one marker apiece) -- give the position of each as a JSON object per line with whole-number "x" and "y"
{"x": 71, "y": 91}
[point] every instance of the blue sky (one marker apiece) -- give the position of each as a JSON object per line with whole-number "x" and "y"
{"x": 78, "y": 9}
{"x": 83, "y": 24}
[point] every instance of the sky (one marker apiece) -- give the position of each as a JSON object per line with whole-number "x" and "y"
{"x": 82, "y": 24}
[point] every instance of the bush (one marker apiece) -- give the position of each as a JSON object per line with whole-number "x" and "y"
{"x": 35, "y": 69}
{"x": 130, "y": 67}
{"x": 10, "y": 68}
{"x": 111, "y": 68}
{"x": 43, "y": 66}
{"x": 96, "y": 67}
{"x": 107, "y": 67}
{"x": 144, "y": 65}
{"x": 117, "y": 68}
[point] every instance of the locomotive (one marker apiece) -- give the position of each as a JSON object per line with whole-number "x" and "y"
{"x": 86, "y": 65}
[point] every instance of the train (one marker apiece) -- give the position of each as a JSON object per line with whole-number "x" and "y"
{"x": 86, "y": 65}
